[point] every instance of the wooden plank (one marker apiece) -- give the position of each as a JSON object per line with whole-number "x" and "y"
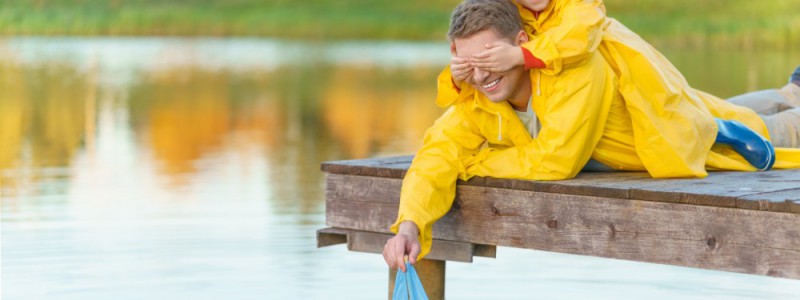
{"x": 722, "y": 189}
{"x": 612, "y": 185}
{"x": 393, "y": 167}
{"x": 747, "y": 198}
{"x": 373, "y": 242}
{"x": 484, "y": 250}
{"x": 352, "y": 167}
{"x": 596, "y": 220}
{"x": 737, "y": 240}
{"x": 785, "y": 201}
{"x": 331, "y": 236}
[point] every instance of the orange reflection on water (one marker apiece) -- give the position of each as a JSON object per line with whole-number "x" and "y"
{"x": 188, "y": 115}
{"x": 368, "y": 110}
{"x": 42, "y": 113}
{"x": 12, "y": 109}
{"x": 184, "y": 114}
{"x": 261, "y": 122}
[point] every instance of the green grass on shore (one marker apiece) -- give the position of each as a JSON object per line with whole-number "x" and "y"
{"x": 744, "y": 23}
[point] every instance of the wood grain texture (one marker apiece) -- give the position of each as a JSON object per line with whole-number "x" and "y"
{"x": 392, "y": 167}
{"x": 746, "y": 190}
{"x": 682, "y": 233}
{"x": 785, "y": 201}
{"x": 370, "y": 242}
{"x": 373, "y": 242}
{"x": 331, "y": 236}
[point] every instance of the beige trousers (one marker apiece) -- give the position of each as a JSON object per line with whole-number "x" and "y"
{"x": 780, "y": 110}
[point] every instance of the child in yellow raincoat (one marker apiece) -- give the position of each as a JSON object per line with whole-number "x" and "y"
{"x": 665, "y": 111}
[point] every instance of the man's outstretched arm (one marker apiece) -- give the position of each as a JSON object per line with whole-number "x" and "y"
{"x": 430, "y": 185}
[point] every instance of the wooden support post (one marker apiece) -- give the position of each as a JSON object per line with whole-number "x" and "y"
{"x": 431, "y": 273}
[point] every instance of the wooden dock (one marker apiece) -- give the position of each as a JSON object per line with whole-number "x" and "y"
{"x": 731, "y": 221}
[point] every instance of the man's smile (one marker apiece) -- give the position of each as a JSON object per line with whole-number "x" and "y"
{"x": 491, "y": 85}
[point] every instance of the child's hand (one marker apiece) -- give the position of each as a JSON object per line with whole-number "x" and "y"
{"x": 461, "y": 69}
{"x": 499, "y": 57}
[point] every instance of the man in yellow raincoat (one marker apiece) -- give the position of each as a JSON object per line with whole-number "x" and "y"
{"x": 579, "y": 115}
{"x": 573, "y": 108}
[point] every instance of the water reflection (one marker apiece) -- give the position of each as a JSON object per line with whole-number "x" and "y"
{"x": 44, "y": 109}
{"x": 191, "y": 167}
{"x": 182, "y": 107}
{"x": 12, "y": 109}
{"x": 181, "y": 114}
{"x": 366, "y": 115}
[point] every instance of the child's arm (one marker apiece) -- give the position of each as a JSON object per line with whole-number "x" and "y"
{"x": 571, "y": 42}
{"x": 449, "y": 85}
{"x": 451, "y": 78}
{"x": 574, "y": 40}
{"x": 461, "y": 69}
{"x": 501, "y": 57}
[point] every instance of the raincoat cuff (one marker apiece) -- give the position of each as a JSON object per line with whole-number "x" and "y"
{"x": 455, "y": 86}
{"x": 531, "y": 62}
{"x": 547, "y": 52}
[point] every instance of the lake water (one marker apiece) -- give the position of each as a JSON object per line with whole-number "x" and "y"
{"x": 160, "y": 168}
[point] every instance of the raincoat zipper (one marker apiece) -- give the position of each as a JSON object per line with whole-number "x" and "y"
{"x": 499, "y": 127}
{"x": 539, "y": 83}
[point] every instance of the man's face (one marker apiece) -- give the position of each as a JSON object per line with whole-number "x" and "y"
{"x": 498, "y": 87}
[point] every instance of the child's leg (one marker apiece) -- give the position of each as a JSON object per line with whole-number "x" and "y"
{"x": 780, "y": 110}
{"x": 791, "y": 92}
{"x": 764, "y": 102}
{"x": 784, "y": 128}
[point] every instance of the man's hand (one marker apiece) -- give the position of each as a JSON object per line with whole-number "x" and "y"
{"x": 498, "y": 57}
{"x": 404, "y": 243}
{"x": 461, "y": 70}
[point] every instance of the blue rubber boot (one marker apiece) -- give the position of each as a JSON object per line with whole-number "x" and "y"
{"x": 757, "y": 150}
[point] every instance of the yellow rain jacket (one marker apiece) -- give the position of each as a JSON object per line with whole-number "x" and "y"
{"x": 648, "y": 130}
{"x": 666, "y": 112}
{"x": 573, "y": 109}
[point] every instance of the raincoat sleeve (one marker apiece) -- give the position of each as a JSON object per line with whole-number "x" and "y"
{"x": 573, "y": 121}
{"x": 574, "y": 40}
{"x": 430, "y": 183}
{"x": 446, "y": 92}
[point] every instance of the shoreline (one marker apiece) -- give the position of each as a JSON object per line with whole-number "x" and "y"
{"x": 687, "y": 24}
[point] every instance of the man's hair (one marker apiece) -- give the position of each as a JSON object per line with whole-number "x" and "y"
{"x": 473, "y": 16}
